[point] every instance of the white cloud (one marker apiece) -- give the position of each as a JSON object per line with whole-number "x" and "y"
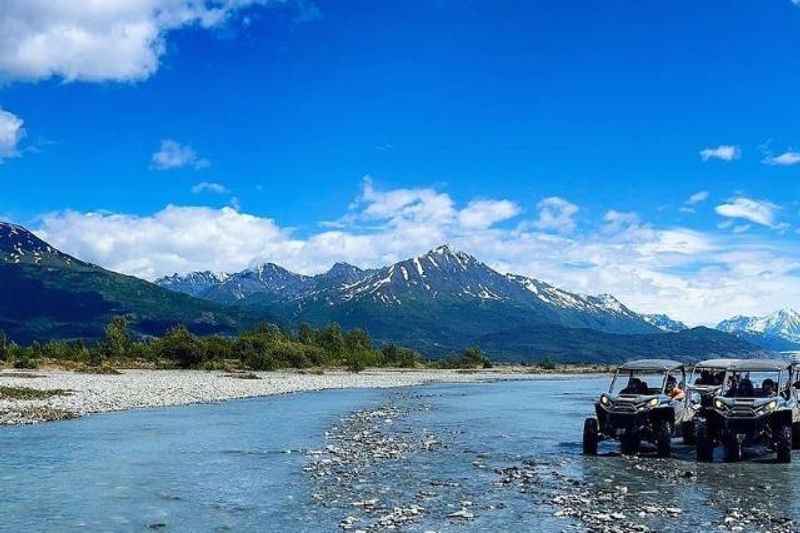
{"x": 756, "y": 211}
{"x": 11, "y": 133}
{"x": 723, "y": 152}
{"x": 208, "y": 186}
{"x": 105, "y": 40}
{"x": 173, "y": 155}
{"x": 697, "y": 198}
{"x": 785, "y": 159}
{"x": 695, "y": 276}
{"x": 175, "y": 239}
{"x": 484, "y": 213}
{"x": 556, "y": 214}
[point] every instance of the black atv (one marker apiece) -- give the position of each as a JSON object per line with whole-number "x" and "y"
{"x": 758, "y": 404}
{"x": 644, "y": 403}
{"x": 705, "y": 384}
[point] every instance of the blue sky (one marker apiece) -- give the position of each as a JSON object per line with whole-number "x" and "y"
{"x": 545, "y": 137}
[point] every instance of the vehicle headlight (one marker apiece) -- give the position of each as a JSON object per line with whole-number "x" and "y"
{"x": 652, "y": 403}
{"x": 719, "y": 404}
{"x": 604, "y": 399}
{"x": 771, "y": 405}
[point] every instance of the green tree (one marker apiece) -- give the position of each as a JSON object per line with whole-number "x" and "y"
{"x": 117, "y": 341}
{"x": 180, "y": 346}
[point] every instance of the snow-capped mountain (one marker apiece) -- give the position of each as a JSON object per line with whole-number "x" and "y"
{"x": 20, "y": 246}
{"x": 665, "y": 323}
{"x": 46, "y": 294}
{"x": 443, "y": 277}
{"x": 265, "y": 281}
{"x": 193, "y": 283}
{"x": 779, "y": 330}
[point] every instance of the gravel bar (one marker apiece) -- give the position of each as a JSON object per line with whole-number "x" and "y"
{"x": 92, "y": 393}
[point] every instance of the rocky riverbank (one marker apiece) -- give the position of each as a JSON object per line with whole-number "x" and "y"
{"x": 391, "y": 468}
{"x": 92, "y": 393}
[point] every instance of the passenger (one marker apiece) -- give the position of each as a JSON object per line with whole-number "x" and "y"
{"x": 733, "y": 386}
{"x": 633, "y": 386}
{"x": 674, "y": 390}
{"x": 704, "y": 379}
{"x": 768, "y": 387}
{"x": 745, "y": 389}
{"x": 718, "y": 378}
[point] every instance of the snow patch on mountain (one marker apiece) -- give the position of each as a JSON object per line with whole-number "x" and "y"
{"x": 782, "y": 324}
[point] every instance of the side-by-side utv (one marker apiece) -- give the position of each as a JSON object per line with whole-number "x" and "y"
{"x": 645, "y": 402}
{"x": 705, "y": 383}
{"x": 758, "y": 404}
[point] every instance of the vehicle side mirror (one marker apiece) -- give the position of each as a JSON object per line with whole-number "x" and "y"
{"x": 796, "y": 385}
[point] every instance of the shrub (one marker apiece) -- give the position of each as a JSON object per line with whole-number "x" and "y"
{"x": 180, "y": 346}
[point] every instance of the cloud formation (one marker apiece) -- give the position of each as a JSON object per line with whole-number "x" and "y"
{"x": 172, "y": 155}
{"x": 556, "y": 214}
{"x": 697, "y": 198}
{"x": 11, "y": 133}
{"x": 785, "y": 159}
{"x": 698, "y": 277}
{"x": 480, "y": 214}
{"x": 723, "y": 152}
{"x": 208, "y": 186}
{"x": 756, "y": 211}
{"x": 106, "y": 40}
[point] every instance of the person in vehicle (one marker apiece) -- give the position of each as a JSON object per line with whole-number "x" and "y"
{"x": 745, "y": 389}
{"x": 704, "y": 379}
{"x": 633, "y": 387}
{"x": 674, "y": 391}
{"x": 768, "y": 387}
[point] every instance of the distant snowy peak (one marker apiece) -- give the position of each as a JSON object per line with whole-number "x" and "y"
{"x": 665, "y": 323}
{"x": 20, "y": 246}
{"x": 442, "y": 276}
{"x": 193, "y": 283}
{"x": 783, "y": 324}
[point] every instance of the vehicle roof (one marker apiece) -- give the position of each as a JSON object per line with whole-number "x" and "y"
{"x": 760, "y": 364}
{"x": 651, "y": 364}
{"x": 716, "y": 363}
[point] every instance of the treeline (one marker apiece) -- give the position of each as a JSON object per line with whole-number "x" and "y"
{"x": 267, "y": 347}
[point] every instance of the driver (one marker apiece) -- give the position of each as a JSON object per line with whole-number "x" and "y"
{"x": 768, "y": 387}
{"x": 674, "y": 390}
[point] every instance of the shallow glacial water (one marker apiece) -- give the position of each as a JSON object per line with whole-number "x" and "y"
{"x": 239, "y": 466}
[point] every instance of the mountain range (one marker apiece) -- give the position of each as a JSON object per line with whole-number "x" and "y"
{"x": 445, "y": 300}
{"x": 438, "y": 303}
{"x": 46, "y": 294}
{"x": 776, "y": 331}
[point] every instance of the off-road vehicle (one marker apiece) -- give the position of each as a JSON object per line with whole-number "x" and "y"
{"x": 758, "y": 404}
{"x": 645, "y": 402}
{"x": 704, "y": 384}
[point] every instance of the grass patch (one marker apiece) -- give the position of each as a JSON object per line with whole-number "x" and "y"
{"x": 26, "y": 393}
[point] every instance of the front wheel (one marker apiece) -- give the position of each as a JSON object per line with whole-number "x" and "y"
{"x": 704, "y": 444}
{"x": 590, "y": 436}
{"x": 796, "y": 435}
{"x": 733, "y": 449}
{"x": 688, "y": 432}
{"x": 664, "y": 441}
{"x": 629, "y": 443}
{"x": 783, "y": 444}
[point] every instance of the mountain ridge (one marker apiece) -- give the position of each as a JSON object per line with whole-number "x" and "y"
{"x": 777, "y": 330}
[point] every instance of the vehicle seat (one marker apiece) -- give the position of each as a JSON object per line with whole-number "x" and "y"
{"x": 745, "y": 389}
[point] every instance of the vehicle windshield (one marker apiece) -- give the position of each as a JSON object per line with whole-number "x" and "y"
{"x": 638, "y": 382}
{"x": 753, "y": 384}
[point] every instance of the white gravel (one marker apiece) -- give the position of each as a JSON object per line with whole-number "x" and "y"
{"x": 156, "y": 388}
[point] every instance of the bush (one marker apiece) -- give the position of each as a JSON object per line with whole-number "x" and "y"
{"x": 180, "y": 346}
{"x": 547, "y": 364}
